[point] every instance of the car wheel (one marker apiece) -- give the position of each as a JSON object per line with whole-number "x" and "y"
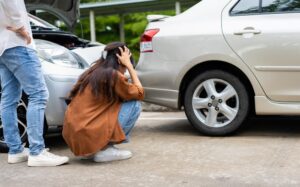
{"x": 216, "y": 102}
{"x": 21, "y": 112}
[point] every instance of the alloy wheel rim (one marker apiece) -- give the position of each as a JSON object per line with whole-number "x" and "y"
{"x": 215, "y": 103}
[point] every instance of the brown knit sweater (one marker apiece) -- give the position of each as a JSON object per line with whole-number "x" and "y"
{"x": 91, "y": 123}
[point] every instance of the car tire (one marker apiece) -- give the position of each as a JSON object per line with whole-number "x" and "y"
{"x": 216, "y": 103}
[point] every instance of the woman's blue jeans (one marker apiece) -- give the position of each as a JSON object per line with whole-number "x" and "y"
{"x": 20, "y": 69}
{"x": 128, "y": 115}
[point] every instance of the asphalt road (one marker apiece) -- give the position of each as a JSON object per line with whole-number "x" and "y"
{"x": 169, "y": 152}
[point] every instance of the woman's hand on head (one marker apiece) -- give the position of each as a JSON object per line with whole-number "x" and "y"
{"x": 124, "y": 58}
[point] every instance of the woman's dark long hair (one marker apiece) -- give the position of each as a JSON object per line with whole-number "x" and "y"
{"x": 102, "y": 75}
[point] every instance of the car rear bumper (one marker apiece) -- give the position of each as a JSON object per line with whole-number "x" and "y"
{"x": 168, "y": 98}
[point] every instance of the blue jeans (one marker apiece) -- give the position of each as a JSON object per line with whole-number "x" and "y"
{"x": 20, "y": 69}
{"x": 128, "y": 115}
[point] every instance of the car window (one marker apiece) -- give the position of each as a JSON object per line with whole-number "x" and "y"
{"x": 280, "y": 5}
{"x": 246, "y": 7}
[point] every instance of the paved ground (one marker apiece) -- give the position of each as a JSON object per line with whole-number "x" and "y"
{"x": 169, "y": 152}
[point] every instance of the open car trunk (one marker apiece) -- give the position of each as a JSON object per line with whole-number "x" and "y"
{"x": 66, "y": 10}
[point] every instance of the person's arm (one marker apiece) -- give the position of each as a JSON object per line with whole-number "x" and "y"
{"x": 128, "y": 91}
{"x": 124, "y": 59}
{"x": 14, "y": 12}
{"x": 124, "y": 89}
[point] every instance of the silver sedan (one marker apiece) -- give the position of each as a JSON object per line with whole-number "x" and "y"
{"x": 222, "y": 59}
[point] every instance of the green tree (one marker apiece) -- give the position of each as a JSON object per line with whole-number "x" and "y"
{"x": 107, "y": 29}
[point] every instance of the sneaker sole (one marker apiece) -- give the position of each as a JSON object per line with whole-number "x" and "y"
{"x": 111, "y": 159}
{"x": 43, "y": 164}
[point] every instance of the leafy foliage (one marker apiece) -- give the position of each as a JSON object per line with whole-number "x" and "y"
{"x": 107, "y": 28}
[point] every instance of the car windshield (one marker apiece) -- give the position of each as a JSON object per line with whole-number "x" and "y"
{"x": 37, "y": 22}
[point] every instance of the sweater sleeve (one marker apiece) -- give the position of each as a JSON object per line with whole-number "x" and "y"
{"x": 128, "y": 91}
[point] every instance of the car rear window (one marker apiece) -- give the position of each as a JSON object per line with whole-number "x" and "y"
{"x": 280, "y": 5}
{"x": 246, "y": 7}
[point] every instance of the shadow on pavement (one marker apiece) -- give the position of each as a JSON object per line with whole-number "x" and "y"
{"x": 272, "y": 126}
{"x": 254, "y": 127}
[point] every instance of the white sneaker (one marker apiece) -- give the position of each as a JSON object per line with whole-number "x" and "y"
{"x": 20, "y": 157}
{"x": 111, "y": 154}
{"x": 46, "y": 158}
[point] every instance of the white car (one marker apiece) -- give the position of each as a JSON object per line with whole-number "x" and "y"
{"x": 222, "y": 59}
{"x": 90, "y": 54}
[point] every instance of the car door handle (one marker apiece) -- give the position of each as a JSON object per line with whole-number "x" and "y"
{"x": 248, "y": 30}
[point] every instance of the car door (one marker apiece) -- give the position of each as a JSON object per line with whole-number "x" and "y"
{"x": 67, "y": 10}
{"x": 265, "y": 34}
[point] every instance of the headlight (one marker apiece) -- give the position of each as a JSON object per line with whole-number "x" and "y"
{"x": 56, "y": 54}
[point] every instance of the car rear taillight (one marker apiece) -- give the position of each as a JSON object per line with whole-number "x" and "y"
{"x": 146, "y": 40}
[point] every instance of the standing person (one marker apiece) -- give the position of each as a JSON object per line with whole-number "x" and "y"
{"x": 104, "y": 107}
{"x": 21, "y": 69}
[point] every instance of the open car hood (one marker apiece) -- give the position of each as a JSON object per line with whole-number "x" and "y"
{"x": 66, "y": 10}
